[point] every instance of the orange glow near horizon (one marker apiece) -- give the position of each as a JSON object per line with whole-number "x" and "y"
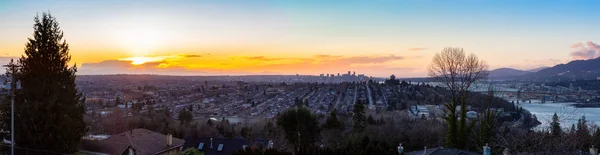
{"x": 241, "y": 64}
{"x": 142, "y": 60}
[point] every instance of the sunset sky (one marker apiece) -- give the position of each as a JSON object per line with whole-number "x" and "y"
{"x": 377, "y": 38}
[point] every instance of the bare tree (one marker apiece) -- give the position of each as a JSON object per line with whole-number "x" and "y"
{"x": 116, "y": 122}
{"x": 457, "y": 71}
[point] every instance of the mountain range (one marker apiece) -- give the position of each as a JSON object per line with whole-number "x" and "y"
{"x": 506, "y": 73}
{"x": 574, "y": 70}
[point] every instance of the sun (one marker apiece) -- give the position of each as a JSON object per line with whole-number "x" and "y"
{"x": 140, "y": 42}
{"x": 142, "y": 60}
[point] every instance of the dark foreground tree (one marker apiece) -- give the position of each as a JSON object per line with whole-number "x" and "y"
{"x": 555, "y": 126}
{"x": 185, "y": 116}
{"x": 583, "y": 134}
{"x": 457, "y": 71}
{"x": 359, "y": 119}
{"x": 333, "y": 122}
{"x": 301, "y": 127}
{"x": 49, "y": 110}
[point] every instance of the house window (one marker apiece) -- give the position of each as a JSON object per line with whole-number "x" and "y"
{"x": 200, "y": 146}
{"x": 220, "y": 148}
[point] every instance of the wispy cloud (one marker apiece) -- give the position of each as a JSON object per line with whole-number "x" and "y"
{"x": 416, "y": 49}
{"x": 323, "y": 56}
{"x": 263, "y": 58}
{"x": 164, "y": 61}
{"x": 191, "y": 55}
{"x": 590, "y": 50}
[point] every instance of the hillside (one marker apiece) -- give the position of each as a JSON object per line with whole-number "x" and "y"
{"x": 574, "y": 70}
{"x": 506, "y": 73}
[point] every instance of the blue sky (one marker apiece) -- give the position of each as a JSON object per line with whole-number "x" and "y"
{"x": 522, "y": 34}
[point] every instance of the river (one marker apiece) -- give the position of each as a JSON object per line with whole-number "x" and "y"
{"x": 567, "y": 113}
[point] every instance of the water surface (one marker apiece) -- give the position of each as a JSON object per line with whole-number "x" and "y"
{"x": 567, "y": 113}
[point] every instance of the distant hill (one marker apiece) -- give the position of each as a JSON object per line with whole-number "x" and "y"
{"x": 574, "y": 70}
{"x": 506, "y": 73}
{"x": 537, "y": 69}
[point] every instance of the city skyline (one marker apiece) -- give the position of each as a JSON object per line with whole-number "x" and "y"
{"x": 307, "y": 37}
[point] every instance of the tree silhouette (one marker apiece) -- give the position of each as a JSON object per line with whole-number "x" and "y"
{"x": 118, "y": 101}
{"x": 457, "y": 71}
{"x": 185, "y": 116}
{"x": 49, "y": 110}
{"x": 116, "y": 122}
{"x": 301, "y": 127}
{"x": 333, "y": 122}
{"x": 583, "y": 133}
{"x": 555, "y": 126}
{"x": 358, "y": 116}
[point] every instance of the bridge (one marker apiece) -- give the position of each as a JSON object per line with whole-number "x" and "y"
{"x": 539, "y": 95}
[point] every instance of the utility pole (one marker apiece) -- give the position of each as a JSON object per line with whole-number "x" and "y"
{"x": 13, "y": 84}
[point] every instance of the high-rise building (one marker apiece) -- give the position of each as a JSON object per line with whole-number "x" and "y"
{"x": 354, "y": 73}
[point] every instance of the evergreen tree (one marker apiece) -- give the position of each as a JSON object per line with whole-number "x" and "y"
{"x": 185, "y": 116}
{"x": 583, "y": 133}
{"x": 487, "y": 125}
{"x": 555, "y": 126}
{"x": 423, "y": 117}
{"x": 582, "y": 128}
{"x": 371, "y": 120}
{"x": 300, "y": 126}
{"x": 358, "y": 117}
{"x": 245, "y": 132}
{"x": 49, "y": 110}
{"x": 333, "y": 122}
{"x": 298, "y": 102}
{"x": 596, "y": 137}
{"x": 117, "y": 101}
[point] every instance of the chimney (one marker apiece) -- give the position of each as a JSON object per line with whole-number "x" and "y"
{"x": 169, "y": 139}
{"x": 211, "y": 143}
{"x": 593, "y": 151}
{"x": 506, "y": 152}
{"x": 487, "y": 150}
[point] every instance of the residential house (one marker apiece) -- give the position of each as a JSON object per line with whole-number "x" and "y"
{"x": 133, "y": 142}
{"x": 221, "y": 146}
